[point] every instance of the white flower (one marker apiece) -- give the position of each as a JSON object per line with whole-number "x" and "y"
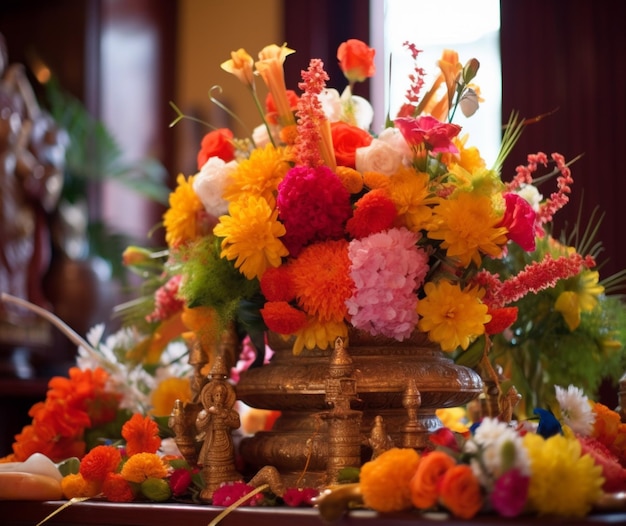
{"x": 576, "y": 410}
{"x": 378, "y": 157}
{"x": 334, "y": 107}
{"x": 393, "y": 136}
{"x": 261, "y": 136}
{"x": 492, "y": 442}
{"x": 531, "y": 195}
{"x": 210, "y": 182}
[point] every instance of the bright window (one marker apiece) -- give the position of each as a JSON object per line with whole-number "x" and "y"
{"x": 470, "y": 28}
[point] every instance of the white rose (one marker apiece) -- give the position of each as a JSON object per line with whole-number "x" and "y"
{"x": 261, "y": 137}
{"x": 378, "y": 157}
{"x": 210, "y": 182}
{"x": 394, "y": 138}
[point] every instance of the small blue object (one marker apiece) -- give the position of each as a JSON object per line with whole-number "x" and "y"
{"x": 548, "y": 423}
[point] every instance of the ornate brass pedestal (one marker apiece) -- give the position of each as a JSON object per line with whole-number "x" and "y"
{"x": 402, "y": 382}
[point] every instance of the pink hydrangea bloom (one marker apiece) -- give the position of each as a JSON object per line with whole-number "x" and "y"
{"x": 387, "y": 268}
{"x": 313, "y": 205}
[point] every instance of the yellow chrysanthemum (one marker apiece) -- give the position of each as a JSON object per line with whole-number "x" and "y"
{"x": 180, "y": 219}
{"x": 251, "y": 232}
{"x": 318, "y": 334}
{"x": 321, "y": 280}
{"x": 468, "y": 158}
{"x": 410, "y": 193}
{"x": 167, "y": 392}
{"x": 454, "y": 418}
{"x": 259, "y": 175}
{"x": 571, "y": 303}
{"x": 143, "y": 466}
{"x": 466, "y": 224}
{"x": 564, "y": 482}
{"x": 451, "y": 316}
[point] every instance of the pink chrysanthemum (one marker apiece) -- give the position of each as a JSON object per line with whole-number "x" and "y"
{"x": 313, "y": 206}
{"x": 386, "y": 268}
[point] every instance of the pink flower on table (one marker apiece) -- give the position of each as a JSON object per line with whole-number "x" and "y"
{"x": 510, "y": 492}
{"x": 436, "y": 136}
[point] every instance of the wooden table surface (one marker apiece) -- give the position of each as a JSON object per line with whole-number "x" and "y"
{"x": 98, "y": 513}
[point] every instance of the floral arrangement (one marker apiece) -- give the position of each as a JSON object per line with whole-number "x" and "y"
{"x": 314, "y": 224}
{"x": 561, "y": 467}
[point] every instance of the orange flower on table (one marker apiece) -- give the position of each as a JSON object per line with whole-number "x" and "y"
{"x": 460, "y": 491}
{"x": 75, "y": 485}
{"x": 424, "y": 485}
{"x": 99, "y": 462}
{"x": 141, "y": 434}
{"x": 384, "y": 481}
{"x": 356, "y": 60}
{"x": 143, "y": 466}
{"x": 117, "y": 489}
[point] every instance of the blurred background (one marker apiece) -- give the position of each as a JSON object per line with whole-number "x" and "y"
{"x": 108, "y": 70}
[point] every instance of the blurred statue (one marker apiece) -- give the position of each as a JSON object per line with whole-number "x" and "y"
{"x": 32, "y": 160}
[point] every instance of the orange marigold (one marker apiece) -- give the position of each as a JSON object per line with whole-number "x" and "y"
{"x": 143, "y": 466}
{"x": 75, "y": 486}
{"x": 99, "y": 462}
{"x": 375, "y": 180}
{"x": 350, "y": 179}
{"x": 283, "y": 318}
{"x": 384, "y": 481}
{"x": 141, "y": 434}
{"x": 117, "y": 489}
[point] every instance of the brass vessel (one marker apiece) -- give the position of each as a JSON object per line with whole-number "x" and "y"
{"x": 402, "y": 382}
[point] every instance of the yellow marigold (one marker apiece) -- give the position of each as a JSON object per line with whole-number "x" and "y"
{"x": 143, "y": 466}
{"x": 167, "y": 392}
{"x": 321, "y": 280}
{"x": 180, "y": 219}
{"x": 259, "y": 175}
{"x": 563, "y": 482}
{"x": 75, "y": 486}
{"x": 350, "y": 179}
{"x": 373, "y": 180}
{"x": 451, "y": 316}
{"x": 409, "y": 190}
{"x": 319, "y": 334}
{"x": 251, "y": 232}
{"x": 467, "y": 226}
{"x": 385, "y": 480}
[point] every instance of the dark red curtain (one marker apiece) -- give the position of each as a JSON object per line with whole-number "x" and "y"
{"x": 570, "y": 56}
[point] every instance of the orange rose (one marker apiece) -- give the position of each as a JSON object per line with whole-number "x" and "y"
{"x": 217, "y": 143}
{"x": 356, "y": 60}
{"x": 425, "y": 483}
{"x": 346, "y": 140}
{"x": 460, "y": 492}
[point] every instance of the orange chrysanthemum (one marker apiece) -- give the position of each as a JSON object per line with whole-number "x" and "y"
{"x": 143, "y": 466}
{"x": 180, "y": 219}
{"x": 321, "y": 276}
{"x": 141, "y": 435}
{"x": 374, "y": 180}
{"x": 99, "y": 462}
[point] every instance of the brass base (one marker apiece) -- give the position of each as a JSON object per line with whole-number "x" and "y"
{"x": 404, "y": 382}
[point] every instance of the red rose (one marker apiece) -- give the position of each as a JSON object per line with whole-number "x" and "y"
{"x": 346, "y": 140}
{"x": 217, "y": 143}
{"x": 356, "y": 60}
